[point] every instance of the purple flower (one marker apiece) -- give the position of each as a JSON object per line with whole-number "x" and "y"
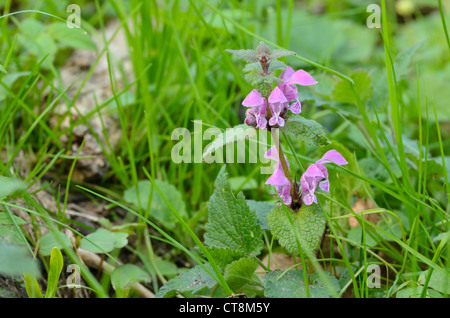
{"x": 278, "y": 178}
{"x": 258, "y": 105}
{"x": 290, "y": 91}
{"x": 315, "y": 173}
{"x": 277, "y": 103}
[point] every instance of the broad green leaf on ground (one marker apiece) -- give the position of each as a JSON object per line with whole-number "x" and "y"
{"x": 51, "y": 240}
{"x": 9, "y": 185}
{"x": 439, "y": 280}
{"x": 411, "y": 292}
{"x": 307, "y": 130}
{"x": 343, "y": 91}
{"x": 262, "y": 209}
{"x": 38, "y": 42}
{"x": 215, "y": 149}
{"x": 225, "y": 256}
{"x": 166, "y": 268}
{"x": 125, "y": 275}
{"x": 240, "y": 272}
{"x": 231, "y": 223}
{"x": 8, "y": 231}
{"x": 74, "y": 38}
{"x": 290, "y": 284}
{"x": 105, "y": 241}
{"x": 16, "y": 261}
{"x": 158, "y": 207}
{"x": 193, "y": 281}
{"x": 308, "y": 227}
{"x": 5, "y": 219}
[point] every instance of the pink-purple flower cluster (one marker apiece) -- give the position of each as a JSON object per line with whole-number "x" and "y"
{"x": 317, "y": 175}
{"x": 279, "y": 100}
{"x": 278, "y": 178}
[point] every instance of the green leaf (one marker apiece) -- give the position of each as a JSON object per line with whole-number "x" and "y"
{"x": 253, "y": 67}
{"x": 3, "y": 69}
{"x": 403, "y": 60}
{"x": 262, "y": 209}
{"x": 277, "y": 65}
{"x": 242, "y": 183}
{"x": 231, "y": 223}
{"x": 308, "y": 226}
{"x": 5, "y": 219}
{"x": 290, "y": 284}
{"x": 411, "y": 292}
{"x": 263, "y": 49}
{"x": 240, "y": 272}
{"x": 307, "y": 130}
{"x": 123, "y": 276}
{"x": 355, "y": 235}
{"x": 8, "y": 232}
{"x": 16, "y": 261}
{"x": 9, "y": 185}
{"x": 439, "y": 280}
{"x": 105, "y": 241}
{"x": 158, "y": 208}
{"x": 194, "y": 280}
{"x": 50, "y": 240}
{"x": 74, "y": 38}
{"x": 246, "y": 55}
{"x": 32, "y": 286}
{"x": 225, "y": 256}
{"x": 56, "y": 266}
{"x": 277, "y": 53}
{"x": 343, "y": 91}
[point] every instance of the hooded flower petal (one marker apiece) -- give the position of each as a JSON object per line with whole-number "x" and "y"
{"x": 277, "y": 178}
{"x": 285, "y": 193}
{"x": 254, "y": 98}
{"x": 317, "y": 175}
{"x": 277, "y": 96}
{"x": 309, "y": 182}
{"x": 333, "y": 156}
{"x": 289, "y": 91}
{"x": 301, "y": 78}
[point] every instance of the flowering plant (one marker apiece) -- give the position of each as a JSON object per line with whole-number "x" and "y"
{"x": 269, "y": 104}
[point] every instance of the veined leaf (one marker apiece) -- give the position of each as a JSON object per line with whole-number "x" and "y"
{"x": 240, "y": 272}
{"x": 231, "y": 223}
{"x": 308, "y": 226}
{"x": 246, "y": 55}
{"x": 193, "y": 281}
{"x": 307, "y": 130}
{"x": 291, "y": 285}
